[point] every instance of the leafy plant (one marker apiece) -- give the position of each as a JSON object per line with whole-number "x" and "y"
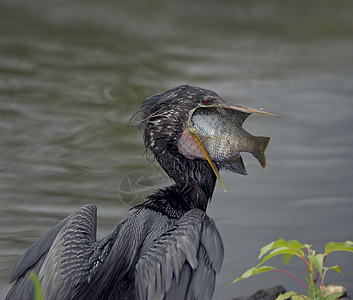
{"x": 314, "y": 264}
{"x": 37, "y": 285}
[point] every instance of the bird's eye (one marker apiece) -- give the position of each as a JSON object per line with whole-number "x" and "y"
{"x": 206, "y": 101}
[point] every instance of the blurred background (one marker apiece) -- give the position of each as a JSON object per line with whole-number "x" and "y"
{"x": 73, "y": 72}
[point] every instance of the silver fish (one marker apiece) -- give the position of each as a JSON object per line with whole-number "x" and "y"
{"x": 215, "y": 133}
{"x": 223, "y": 136}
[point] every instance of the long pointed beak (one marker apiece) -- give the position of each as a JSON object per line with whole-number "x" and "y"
{"x": 195, "y": 135}
{"x": 245, "y": 109}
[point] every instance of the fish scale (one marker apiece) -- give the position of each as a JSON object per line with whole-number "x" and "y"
{"x": 213, "y": 124}
{"x": 207, "y": 122}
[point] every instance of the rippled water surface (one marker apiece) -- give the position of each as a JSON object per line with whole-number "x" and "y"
{"x": 73, "y": 72}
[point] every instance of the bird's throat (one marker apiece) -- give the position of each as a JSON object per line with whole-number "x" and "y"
{"x": 194, "y": 175}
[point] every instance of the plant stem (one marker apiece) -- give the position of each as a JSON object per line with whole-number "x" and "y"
{"x": 294, "y": 277}
{"x": 323, "y": 279}
{"x": 306, "y": 263}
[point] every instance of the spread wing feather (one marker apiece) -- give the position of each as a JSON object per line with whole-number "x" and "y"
{"x": 33, "y": 259}
{"x": 36, "y": 251}
{"x": 67, "y": 263}
{"x": 182, "y": 262}
{"x": 64, "y": 255}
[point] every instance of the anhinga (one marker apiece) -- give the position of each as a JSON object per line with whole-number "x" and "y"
{"x": 166, "y": 247}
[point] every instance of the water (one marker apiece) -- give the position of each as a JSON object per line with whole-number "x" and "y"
{"x": 72, "y": 74}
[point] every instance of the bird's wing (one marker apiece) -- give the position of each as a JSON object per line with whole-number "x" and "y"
{"x": 34, "y": 253}
{"x": 64, "y": 258}
{"x": 67, "y": 265}
{"x": 33, "y": 259}
{"x": 181, "y": 263}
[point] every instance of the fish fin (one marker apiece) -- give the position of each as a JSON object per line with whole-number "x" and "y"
{"x": 242, "y": 115}
{"x": 260, "y": 147}
{"x": 235, "y": 165}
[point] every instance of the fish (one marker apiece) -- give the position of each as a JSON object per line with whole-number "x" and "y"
{"x": 215, "y": 133}
{"x": 223, "y": 136}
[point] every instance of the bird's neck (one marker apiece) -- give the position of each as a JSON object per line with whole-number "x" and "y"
{"x": 194, "y": 179}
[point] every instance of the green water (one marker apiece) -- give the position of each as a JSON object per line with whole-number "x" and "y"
{"x": 73, "y": 72}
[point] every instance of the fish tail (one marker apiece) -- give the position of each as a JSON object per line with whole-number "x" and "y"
{"x": 259, "y": 151}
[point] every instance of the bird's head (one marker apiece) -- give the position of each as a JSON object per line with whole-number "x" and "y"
{"x": 184, "y": 125}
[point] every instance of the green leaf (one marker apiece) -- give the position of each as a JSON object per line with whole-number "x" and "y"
{"x": 335, "y": 268}
{"x": 314, "y": 291}
{"x": 287, "y": 257}
{"x": 295, "y": 245}
{"x": 318, "y": 261}
{"x": 333, "y": 296}
{"x": 287, "y": 295}
{"x": 299, "y": 297}
{"x": 37, "y": 285}
{"x": 281, "y": 250}
{"x": 307, "y": 246}
{"x": 270, "y": 246}
{"x": 254, "y": 271}
{"x": 346, "y": 246}
{"x": 291, "y": 244}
